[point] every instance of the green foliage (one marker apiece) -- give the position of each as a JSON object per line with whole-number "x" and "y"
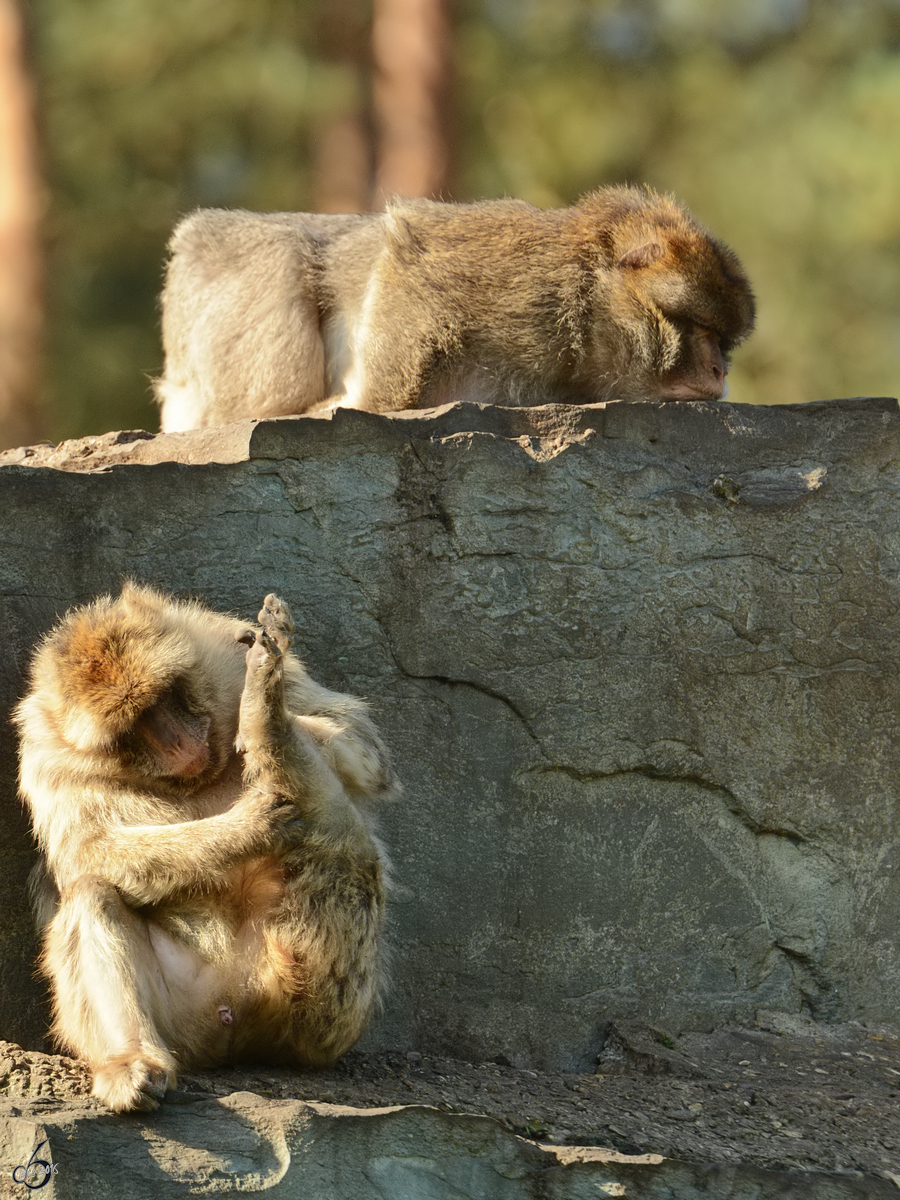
{"x": 777, "y": 122}
{"x": 151, "y": 107}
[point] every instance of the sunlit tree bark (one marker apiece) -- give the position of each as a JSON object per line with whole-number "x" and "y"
{"x": 21, "y": 256}
{"x": 342, "y": 146}
{"x": 412, "y": 61}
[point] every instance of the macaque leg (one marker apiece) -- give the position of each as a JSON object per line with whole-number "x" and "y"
{"x": 106, "y": 979}
{"x": 387, "y": 377}
{"x": 321, "y": 944}
{"x": 388, "y": 374}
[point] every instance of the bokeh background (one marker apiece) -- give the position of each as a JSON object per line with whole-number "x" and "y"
{"x": 776, "y": 121}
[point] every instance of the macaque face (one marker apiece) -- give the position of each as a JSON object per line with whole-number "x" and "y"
{"x": 700, "y": 371}
{"x": 171, "y": 739}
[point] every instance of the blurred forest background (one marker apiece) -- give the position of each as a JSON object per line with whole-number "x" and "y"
{"x": 776, "y": 121}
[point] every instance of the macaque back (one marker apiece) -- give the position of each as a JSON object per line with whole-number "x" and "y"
{"x": 621, "y": 296}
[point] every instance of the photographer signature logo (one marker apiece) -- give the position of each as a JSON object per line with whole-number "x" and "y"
{"x": 36, "y": 1171}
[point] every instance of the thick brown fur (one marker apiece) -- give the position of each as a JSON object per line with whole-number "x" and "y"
{"x": 211, "y": 889}
{"x": 621, "y": 296}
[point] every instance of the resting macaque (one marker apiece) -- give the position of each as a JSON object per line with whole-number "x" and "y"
{"x": 622, "y": 296}
{"x": 211, "y": 889}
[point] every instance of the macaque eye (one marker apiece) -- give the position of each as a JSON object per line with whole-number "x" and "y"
{"x": 180, "y": 697}
{"x": 707, "y": 331}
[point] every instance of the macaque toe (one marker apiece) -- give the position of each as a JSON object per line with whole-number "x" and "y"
{"x": 130, "y": 1084}
{"x": 155, "y": 1086}
{"x": 264, "y": 651}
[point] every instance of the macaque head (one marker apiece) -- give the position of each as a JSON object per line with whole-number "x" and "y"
{"x": 680, "y": 296}
{"x": 146, "y": 689}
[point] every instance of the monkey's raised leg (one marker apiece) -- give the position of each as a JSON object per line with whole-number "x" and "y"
{"x": 322, "y": 943}
{"x": 106, "y": 978}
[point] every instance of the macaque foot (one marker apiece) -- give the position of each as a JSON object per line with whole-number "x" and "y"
{"x": 277, "y": 622}
{"x": 131, "y": 1083}
{"x": 274, "y": 639}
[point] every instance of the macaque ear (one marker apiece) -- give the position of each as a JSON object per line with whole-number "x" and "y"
{"x": 641, "y": 256}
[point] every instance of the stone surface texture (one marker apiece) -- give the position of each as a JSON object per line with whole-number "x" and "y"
{"x": 719, "y": 1126}
{"x": 638, "y": 666}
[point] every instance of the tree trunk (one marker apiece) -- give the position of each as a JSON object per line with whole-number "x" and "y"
{"x": 342, "y": 149}
{"x": 21, "y": 248}
{"x": 411, "y": 51}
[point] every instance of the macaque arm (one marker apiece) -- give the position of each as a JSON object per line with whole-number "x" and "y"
{"x": 353, "y": 752}
{"x": 149, "y": 863}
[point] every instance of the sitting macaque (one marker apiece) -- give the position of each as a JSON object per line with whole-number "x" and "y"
{"x": 211, "y": 889}
{"x": 622, "y": 296}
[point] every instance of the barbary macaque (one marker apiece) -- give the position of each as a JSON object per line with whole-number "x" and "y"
{"x": 622, "y": 296}
{"x": 211, "y": 888}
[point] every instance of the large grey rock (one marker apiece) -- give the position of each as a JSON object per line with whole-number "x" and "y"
{"x": 241, "y": 1143}
{"x": 244, "y": 1145}
{"x": 638, "y": 667}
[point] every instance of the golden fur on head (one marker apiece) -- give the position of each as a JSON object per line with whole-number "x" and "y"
{"x": 111, "y": 660}
{"x": 674, "y": 262}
